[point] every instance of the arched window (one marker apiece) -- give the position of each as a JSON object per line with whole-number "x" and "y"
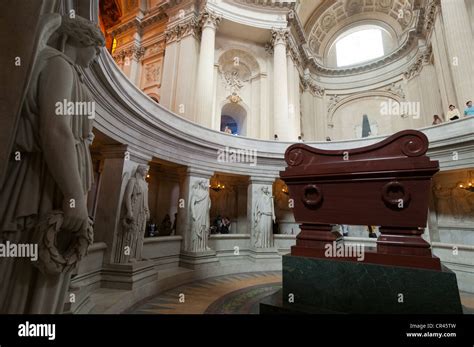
{"x": 360, "y": 44}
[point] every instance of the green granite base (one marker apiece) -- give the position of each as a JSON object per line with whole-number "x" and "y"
{"x": 321, "y": 285}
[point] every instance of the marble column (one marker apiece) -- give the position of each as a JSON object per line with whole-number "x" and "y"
{"x": 119, "y": 162}
{"x": 460, "y": 45}
{"x": 205, "y": 77}
{"x": 431, "y": 103}
{"x": 254, "y": 194}
{"x": 180, "y": 65}
{"x": 441, "y": 63}
{"x": 293, "y": 100}
{"x": 280, "y": 85}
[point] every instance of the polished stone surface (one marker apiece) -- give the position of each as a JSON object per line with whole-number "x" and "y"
{"x": 351, "y": 287}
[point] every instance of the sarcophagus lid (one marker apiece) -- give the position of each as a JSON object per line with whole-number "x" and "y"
{"x": 386, "y": 183}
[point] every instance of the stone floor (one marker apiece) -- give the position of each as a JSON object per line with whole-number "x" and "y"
{"x": 239, "y": 293}
{"x": 232, "y": 294}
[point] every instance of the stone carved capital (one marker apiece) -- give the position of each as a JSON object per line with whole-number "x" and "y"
{"x": 182, "y": 29}
{"x": 209, "y": 19}
{"x": 133, "y": 52}
{"x": 280, "y": 36}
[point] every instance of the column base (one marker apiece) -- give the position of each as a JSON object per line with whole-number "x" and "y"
{"x": 197, "y": 260}
{"x": 264, "y": 253}
{"x": 129, "y": 275}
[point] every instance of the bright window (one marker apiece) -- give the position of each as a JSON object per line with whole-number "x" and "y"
{"x": 360, "y": 46}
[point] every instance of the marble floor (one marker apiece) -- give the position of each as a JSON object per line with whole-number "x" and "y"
{"x": 231, "y": 294}
{"x": 238, "y": 293}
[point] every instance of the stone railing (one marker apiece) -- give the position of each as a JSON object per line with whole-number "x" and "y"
{"x": 127, "y": 115}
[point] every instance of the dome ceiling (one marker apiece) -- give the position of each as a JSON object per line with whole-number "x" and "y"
{"x": 333, "y": 13}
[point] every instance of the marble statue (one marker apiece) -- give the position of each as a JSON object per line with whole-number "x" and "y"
{"x": 43, "y": 200}
{"x": 264, "y": 217}
{"x": 134, "y": 218}
{"x": 200, "y": 206}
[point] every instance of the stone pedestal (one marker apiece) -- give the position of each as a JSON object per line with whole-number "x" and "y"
{"x": 257, "y": 254}
{"x": 312, "y": 285}
{"x": 197, "y": 260}
{"x": 129, "y": 276}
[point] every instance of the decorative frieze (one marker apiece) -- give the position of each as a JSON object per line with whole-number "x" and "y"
{"x": 155, "y": 48}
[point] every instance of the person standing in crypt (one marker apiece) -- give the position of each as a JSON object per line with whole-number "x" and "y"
{"x": 264, "y": 219}
{"x": 49, "y": 184}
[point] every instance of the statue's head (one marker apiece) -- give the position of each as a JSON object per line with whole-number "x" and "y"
{"x": 83, "y": 35}
{"x": 142, "y": 170}
{"x": 265, "y": 189}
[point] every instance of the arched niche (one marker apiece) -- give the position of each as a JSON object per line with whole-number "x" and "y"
{"x": 235, "y": 116}
{"x": 346, "y": 118}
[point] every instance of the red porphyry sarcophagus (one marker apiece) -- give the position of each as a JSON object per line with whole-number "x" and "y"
{"x": 386, "y": 184}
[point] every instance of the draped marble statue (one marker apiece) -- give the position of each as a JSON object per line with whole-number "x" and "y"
{"x": 200, "y": 206}
{"x": 44, "y": 193}
{"x": 264, "y": 217}
{"x": 134, "y": 217}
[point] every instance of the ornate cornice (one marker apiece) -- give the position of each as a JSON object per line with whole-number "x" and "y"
{"x": 138, "y": 24}
{"x": 313, "y": 88}
{"x": 429, "y": 18}
{"x": 123, "y": 27}
{"x": 310, "y": 85}
{"x": 422, "y": 59}
{"x": 277, "y": 3}
{"x": 293, "y": 50}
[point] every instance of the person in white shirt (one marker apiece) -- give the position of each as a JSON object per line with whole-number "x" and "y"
{"x": 453, "y": 113}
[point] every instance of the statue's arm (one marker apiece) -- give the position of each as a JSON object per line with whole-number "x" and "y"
{"x": 57, "y": 140}
{"x": 147, "y": 209}
{"x": 127, "y": 196}
{"x": 193, "y": 210}
{"x": 273, "y": 209}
